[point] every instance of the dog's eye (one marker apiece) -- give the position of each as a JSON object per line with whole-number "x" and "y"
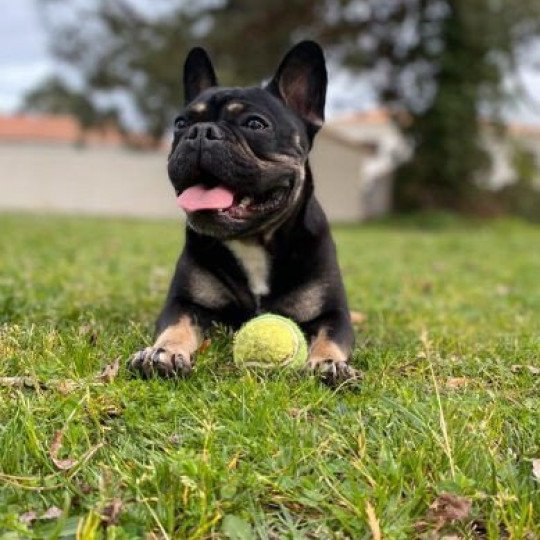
{"x": 255, "y": 122}
{"x": 180, "y": 122}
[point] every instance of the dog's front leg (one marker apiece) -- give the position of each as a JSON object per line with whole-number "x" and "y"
{"x": 332, "y": 341}
{"x": 179, "y": 335}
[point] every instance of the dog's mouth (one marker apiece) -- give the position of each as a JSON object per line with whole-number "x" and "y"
{"x": 224, "y": 202}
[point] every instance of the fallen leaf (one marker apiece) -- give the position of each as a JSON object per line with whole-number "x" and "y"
{"x": 358, "y": 318}
{"x": 111, "y": 512}
{"x": 204, "y": 345}
{"x": 28, "y": 517}
{"x": 451, "y": 537}
{"x": 536, "y": 468}
{"x": 66, "y": 386}
{"x": 110, "y": 371}
{"x": 457, "y": 382}
{"x": 234, "y": 461}
{"x": 447, "y": 508}
{"x": 63, "y": 464}
{"x": 302, "y": 414}
{"x": 21, "y": 382}
{"x": 89, "y": 332}
{"x": 373, "y": 522}
{"x": 533, "y": 370}
{"x": 175, "y": 439}
{"x": 52, "y": 513}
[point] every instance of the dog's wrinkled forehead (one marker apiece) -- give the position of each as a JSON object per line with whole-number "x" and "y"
{"x": 228, "y": 103}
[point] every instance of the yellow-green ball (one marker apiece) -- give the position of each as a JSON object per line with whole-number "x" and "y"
{"x": 270, "y": 341}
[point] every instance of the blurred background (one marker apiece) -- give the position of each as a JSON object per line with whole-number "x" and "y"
{"x": 432, "y": 104}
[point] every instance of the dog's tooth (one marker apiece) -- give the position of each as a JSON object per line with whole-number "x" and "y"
{"x": 245, "y": 201}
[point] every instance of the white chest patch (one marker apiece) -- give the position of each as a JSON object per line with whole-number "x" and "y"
{"x": 254, "y": 260}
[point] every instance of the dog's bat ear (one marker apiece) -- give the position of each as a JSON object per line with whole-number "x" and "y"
{"x": 300, "y": 82}
{"x": 199, "y": 74}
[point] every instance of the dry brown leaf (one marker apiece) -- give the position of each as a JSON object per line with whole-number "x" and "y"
{"x": 447, "y": 508}
{"x": 110, "y": 371}
{"x": 28, "y": 517}
{"x": 457, "y": 382}
{"x": 176, "y": 439}
{"x": 89, "y": 332}
{"x": 451, "y": 537}
{"x": 66, "y": 464}
{"x": 373, "y": 522}
{"x": 358, "y": 318}
{"x": 63, "y": 464}
{"x": 536, "y": 468}
{"x": 52, "y": 513}
{"x": 204, "y": 345}
{"x": 21, "y": 382}
{"x": 303, "y": 414}
{"x": 66, "y": 386}
{"x": 533, "y": 370}
{"x": 111, "y": 512}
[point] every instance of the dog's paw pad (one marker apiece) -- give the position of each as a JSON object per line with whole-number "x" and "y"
{"x": 157, "y": 361}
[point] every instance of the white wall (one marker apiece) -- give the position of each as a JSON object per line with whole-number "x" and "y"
{"x": 89, "y": 180}
{"x": 336, "y": 171}
{"x": 114, "y": 181}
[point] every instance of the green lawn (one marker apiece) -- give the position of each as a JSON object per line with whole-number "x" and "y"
{"x": 452, "y": 307}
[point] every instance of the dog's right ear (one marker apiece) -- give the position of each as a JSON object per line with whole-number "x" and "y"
{"x": 199, "y": 74}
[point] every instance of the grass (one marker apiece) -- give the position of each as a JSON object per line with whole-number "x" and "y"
{"x": 451, "y": 306}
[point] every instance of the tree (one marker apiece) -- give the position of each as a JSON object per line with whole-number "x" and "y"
{"x": 54, "y": 96}
{"x": 435, "y": 64}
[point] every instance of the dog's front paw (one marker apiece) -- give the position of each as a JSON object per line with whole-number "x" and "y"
{"x": 159, "y": 361}
{"x": 333, "y": 372}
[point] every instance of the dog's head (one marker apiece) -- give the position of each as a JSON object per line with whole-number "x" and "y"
{"x": 238, "y": 159}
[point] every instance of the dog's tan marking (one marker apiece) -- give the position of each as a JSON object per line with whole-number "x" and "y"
{"x": 235, "y": 107}
{"x": 323, "y": 349}
{"x": 254, "y": 260}
{"x": 303, "y": 304}
{"x": 181, "y": 338}
{"x": 205, "y": 289}
{"x": 199, "y": 107}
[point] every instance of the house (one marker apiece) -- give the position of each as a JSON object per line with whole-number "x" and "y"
{"x": 353, "y": 160}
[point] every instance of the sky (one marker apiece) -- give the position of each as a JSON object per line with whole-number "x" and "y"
{"x": 24, "y": 61}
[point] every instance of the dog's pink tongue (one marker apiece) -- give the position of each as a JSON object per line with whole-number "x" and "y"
{"x": 199, "y": 198}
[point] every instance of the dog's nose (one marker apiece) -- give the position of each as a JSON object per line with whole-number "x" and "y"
{"x": 205, "y": 130}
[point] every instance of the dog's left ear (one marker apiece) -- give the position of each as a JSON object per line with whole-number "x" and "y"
{"x": 300, "y": 82}
{"x": 199, "y": 74}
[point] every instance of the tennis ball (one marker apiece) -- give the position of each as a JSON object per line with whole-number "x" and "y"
{"x": 270, "y": 341}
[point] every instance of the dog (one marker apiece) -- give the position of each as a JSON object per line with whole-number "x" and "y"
{"x": 257, "y": 239}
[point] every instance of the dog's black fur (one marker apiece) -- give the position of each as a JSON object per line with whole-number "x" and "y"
{"x": 272, "y": 254}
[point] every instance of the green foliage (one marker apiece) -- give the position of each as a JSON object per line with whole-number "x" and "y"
{"x": 280, "y": 456}
{"x": 54, "y": 96}
{"x": 522, "y": 198}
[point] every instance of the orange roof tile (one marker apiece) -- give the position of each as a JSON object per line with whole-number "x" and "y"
{"x": 64, "y": 129}
{"x": 39, "y": 128}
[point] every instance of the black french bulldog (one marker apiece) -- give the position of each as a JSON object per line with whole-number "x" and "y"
{"x": 257, "y": 240}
